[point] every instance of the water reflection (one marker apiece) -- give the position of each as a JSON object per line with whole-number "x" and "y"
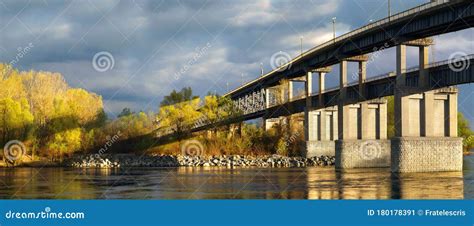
{"x": 237, "y": 183}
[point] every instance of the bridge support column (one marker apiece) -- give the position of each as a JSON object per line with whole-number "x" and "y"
{"x": 362, "y": 126}
{"x": 426, "y": 124}
{"x": 322, "y": 76}
{"x": 320, "y": 125}
{"x": 428, "y": 142}
{"x": 320, "y": 132}
{"x": 365, "y": 143}
{"x": 290, "y": 90}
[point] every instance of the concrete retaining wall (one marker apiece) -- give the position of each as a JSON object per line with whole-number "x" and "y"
{"x": 426, "y": 154}
{"x": 362, "y": 153}
{"x": 319, "y": 148}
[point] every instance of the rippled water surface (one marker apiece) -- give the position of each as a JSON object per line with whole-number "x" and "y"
{"x": 240, "y": 183}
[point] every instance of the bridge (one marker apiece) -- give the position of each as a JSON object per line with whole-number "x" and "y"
{"x": 350, "y": 121}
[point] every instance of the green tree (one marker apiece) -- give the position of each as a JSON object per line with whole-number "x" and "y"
{"x": 64, "y": 143}
{"x": 179, "y": 118}
{"x": 464, "y": 131}
{"x": 40, "y": 109}
{"x": 390, "y": 117}
{"x": 125, "y": 112}
{"x": 175, "y": 97}
{"x": 15, "y": 119}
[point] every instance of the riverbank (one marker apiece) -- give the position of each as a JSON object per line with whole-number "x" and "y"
{"x": 130, "y": 160}
{"x": 134, "y": 160}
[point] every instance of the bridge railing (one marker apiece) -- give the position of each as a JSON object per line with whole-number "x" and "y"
{"x": 406, "y": 71}
{"x": 394, "y": 17}
{"x": 462, "y": 59}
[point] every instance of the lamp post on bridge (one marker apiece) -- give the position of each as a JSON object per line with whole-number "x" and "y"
{"x": 301, "y": 45}
{"x": 389, "y": 10}
{"x": 334, "y": 29}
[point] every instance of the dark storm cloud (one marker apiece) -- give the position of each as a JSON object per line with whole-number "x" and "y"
{"x": 158, "y": 45}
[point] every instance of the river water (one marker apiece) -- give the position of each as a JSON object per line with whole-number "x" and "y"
{"x": 239, "y": 183}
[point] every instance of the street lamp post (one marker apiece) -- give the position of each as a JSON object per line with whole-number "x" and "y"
{"x": 389, "y": 10}
{"x": 334, "y": 29}
{"x": 301, "y": 44}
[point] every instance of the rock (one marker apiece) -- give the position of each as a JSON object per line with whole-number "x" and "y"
{"x": 130, "y": 160}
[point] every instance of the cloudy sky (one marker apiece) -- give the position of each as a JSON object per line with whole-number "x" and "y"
{"x": 210, "y": 45}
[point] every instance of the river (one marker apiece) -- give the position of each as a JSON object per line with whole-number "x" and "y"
{"x": 239, "y": 183}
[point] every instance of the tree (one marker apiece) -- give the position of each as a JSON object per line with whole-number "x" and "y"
{"x": 390, "y": 117}
{"x": 186, "y": 94}
{"x": 464, "y": 131}
{"x": 83, "y": 105}
{"x": 40, "y": 109}
{"x": 218, "y": 109}
{"x": 210, "y": 109}
{"x": 15, "y": 119}
{"x": 179, "y": 118}
{"x": 125, "y": 112}
{"x": 65, "y": 142}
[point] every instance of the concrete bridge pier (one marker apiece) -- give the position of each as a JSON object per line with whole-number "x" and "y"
{"x": 362, "y": 126}
{"x": 320, "y": 122}
{"x": 425, "y": 122}
{"x": 320, "y": 132}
